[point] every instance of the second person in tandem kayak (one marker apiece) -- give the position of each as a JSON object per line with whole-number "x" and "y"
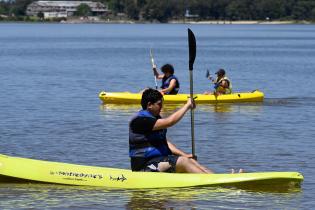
{"x": 170, "y": 83}
{"x": 222, "y": 84}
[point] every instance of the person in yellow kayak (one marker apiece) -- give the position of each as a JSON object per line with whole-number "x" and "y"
{"x": 149, "y": 148}
{"x": 170, "y": 83}
{"x": 222, "y": 84}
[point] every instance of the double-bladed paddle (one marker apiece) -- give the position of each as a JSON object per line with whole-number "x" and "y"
{"x": 192, "y": 56}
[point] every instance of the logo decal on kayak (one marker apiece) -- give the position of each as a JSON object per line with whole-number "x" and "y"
{"x": 76, "y": 174}
{"x": 118, "y": 178}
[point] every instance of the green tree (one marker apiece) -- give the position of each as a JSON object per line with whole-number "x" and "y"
{"x": 18, "y": 7}
{"x": 219, "y": 8}
{"x": 239, "y": 10}
{"x": 2, "y": 9}
{"x": 157, "y": 10}
{"x": 117, "y": 6}
{"x": 312, "y": 17}
{"x": 303, "y": 10}
{"x": 40, "y": 15}
{"x": 83, "y": 10}
{"x": 132, "y": 9}
{"x": 163, "y": 10}
{"x": 202, "y": 8}
{"x": 273, "y": 9}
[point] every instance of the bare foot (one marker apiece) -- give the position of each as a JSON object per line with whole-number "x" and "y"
{"x": 239, "y": 171}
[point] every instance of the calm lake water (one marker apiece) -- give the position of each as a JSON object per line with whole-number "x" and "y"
{"x": 51, "y": 74}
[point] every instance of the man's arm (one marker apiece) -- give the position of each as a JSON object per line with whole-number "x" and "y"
{"x": 175, "y": 117}
{"x": 177, "y": 151}
{"x": 156, "y": 73}
{"x": 170, "y": 87}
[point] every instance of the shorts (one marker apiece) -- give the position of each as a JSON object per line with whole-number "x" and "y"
{"x": 151, "y": 165}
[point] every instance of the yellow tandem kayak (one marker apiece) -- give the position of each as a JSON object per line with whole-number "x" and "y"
{"x": 30, "y": 170}
{"x": 135, "y": 98}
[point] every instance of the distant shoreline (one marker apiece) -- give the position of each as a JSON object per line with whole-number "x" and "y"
{"x": 244, "y": 22}
{"x": 218, "y": 22}
{"x": 204, "y": 22}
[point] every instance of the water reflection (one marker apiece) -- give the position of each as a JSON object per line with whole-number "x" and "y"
{"x": 231, "y": 108}
{"x": 197, "y": 197}
{"x": 46, "y": 196}
{"x": 290, "y": 102}
{"x": 163, "y": 199}
{"x": 119, "y": 107}
{"x": 170, "y": 108}
{"x": 133, "y": 108}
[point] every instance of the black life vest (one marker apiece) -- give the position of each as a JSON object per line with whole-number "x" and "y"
{"x": 147, "y": 145}
{"x": 166, "y": 83}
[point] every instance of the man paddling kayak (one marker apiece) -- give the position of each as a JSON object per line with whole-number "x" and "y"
{"x": 170, "y": 83}
{"x": 149, "y": 148}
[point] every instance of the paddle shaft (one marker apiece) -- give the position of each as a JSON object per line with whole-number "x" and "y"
{"x": 153, "y": 65}
{"x": 192, "y": 115}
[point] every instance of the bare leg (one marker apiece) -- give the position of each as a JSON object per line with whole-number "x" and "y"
{"x": 206, "y": 170}
{"x": 208, "y": 93}
{"x": 164, "y": 166}
{"x": 187, "y": 165}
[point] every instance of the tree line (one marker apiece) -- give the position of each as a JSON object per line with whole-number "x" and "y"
{"x": 166, "y": 10}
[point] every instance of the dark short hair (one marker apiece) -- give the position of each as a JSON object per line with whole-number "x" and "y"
{"x": 220, "y": 72}
{"x": 167, "y": 68}
{"x": 150, "y": 95}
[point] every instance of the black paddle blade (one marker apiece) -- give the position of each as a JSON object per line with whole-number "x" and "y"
{"x": 207, "y": 74}
{"x": 192, "y": 49}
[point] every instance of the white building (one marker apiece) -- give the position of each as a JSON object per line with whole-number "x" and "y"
{"x": 52, "y": 9}
{"x": 188, "y": 15}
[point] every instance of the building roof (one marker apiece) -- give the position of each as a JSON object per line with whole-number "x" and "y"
{"x": 68, "y": 3}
